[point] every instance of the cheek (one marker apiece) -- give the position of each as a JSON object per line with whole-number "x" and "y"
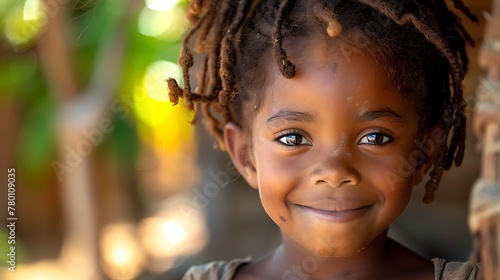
{"x": 393, "y": 180}
{"x": 394, "y": 174}
{"x": 277, "y": 178}
{"x": 396, "y": 169}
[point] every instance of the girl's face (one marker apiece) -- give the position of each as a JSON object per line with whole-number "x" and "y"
{"x": 329, "y": 153}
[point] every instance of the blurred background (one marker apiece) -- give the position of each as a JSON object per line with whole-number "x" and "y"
{"x": 112, "y": 182}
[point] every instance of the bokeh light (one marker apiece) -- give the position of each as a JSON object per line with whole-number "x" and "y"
{"x": 33, "y": 10}
{"x": 176, "y": 230}
{"x": 167, "y": 25}
{"x": 24, "y": 23}
{"x": 173, "y": 232}
{"x": 43, "y": 270}
{"x": 169, "y": 125}
{"x": 121, "y": 255}
{"x": 163, "y": 131}
{"x": 154, "y": 79}
{"x": 161, "y": 5}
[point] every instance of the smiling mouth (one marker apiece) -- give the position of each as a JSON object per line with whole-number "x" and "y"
{"x": 335, "y": 216}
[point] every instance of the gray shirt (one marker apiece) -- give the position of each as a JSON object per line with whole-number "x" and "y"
{"x": 220, "y": 270}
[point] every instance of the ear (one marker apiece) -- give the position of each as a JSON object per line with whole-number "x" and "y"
{"x": 239, "y": 149}
{"x": 428, "y": 146}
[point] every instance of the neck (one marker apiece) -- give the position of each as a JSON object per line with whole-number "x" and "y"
{"x": 302, "y": 264}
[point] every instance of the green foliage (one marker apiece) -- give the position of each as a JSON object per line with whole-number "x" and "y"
{"x": 5, "y": 249}
{"x": 124, "y": 140}
{"x": 90, "y": 24}
{"x": 20, "y": 77}
{"x": 37, "y": 139}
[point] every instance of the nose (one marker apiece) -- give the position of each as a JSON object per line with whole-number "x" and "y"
{"x": 335, "y": 171}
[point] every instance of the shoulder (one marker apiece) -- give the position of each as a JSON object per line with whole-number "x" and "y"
{"x": 455, "y": 270}
{"x": 217, "y": 270}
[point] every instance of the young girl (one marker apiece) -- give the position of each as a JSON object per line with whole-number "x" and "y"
{"x": 333, "y": 111}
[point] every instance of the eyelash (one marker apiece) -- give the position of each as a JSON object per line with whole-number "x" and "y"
{"x": 290, "y": 134}
{"x": 385, "y": 140}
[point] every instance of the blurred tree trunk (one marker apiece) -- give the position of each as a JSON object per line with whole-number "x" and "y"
{"x": 80, "y": 108}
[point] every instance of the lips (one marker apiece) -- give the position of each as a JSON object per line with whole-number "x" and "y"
{"x": 343, "y": 212}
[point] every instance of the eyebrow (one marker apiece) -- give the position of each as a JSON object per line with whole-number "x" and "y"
{"x": 386, "y": 113}
{"x": 287, "y": 115}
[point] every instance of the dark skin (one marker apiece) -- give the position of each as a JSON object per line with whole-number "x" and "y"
{"x": 387, "y": 260}
{"x": 324, "y": 151}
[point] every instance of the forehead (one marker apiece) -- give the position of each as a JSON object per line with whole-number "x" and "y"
{"x": 329, "y": 62}
{"x": 326, "y": 78}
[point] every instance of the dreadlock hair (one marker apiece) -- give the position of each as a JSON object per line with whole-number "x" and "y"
{"x": 420, "y": 43}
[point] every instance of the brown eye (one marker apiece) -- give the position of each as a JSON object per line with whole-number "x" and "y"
{"x": 375, "y": 138}
{"x": 293, "y": 140}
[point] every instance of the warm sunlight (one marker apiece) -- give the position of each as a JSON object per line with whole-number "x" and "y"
{"x": 122, "y": 257}
{"x": 167, "y": 25}
{"x": 156, "y": 74}
{"x": 23, "y": 24}
{"x": 153, "y": 108}
{"x": 173, "y": 232}
{"x": 161, "y": 5}
{"x": 177, "y": 229}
